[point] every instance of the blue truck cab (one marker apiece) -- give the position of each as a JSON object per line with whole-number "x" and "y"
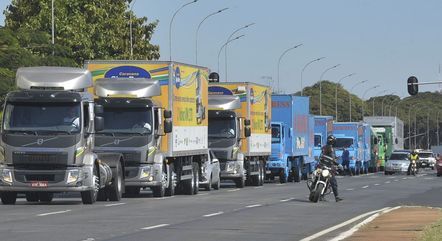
{"x": 349, "y": 135}
{"x": 323, "y": 127}
{"x": 290, "y": 138}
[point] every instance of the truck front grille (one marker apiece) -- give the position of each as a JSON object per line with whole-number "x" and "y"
{"x": 132, "y": 159}
{"x": 29, "y": 176}
{"x": 28, "y": 158}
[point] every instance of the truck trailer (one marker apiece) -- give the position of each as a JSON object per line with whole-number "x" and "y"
{"x": 291, "y": 134}
{"x": 47, "y": 140}
{"x": 158, "y": 113}
{"x": 240, "y": 130}
{"x": 350, "y": 136}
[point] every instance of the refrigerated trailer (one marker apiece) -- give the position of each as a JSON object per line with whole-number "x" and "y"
{"x": 240, "y": 130}
{"x": 155, "y": 93}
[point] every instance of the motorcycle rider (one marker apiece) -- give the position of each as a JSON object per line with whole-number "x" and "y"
{"x": 413, "y": 157}
{"x": 329, "y": 152}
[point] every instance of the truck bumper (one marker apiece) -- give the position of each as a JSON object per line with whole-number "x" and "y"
{"x": 73, "y": 179}
{"x": 145, "y": 175}
{"x": 231, "y": 170}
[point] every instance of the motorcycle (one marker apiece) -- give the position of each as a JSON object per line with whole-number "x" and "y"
{"x": 319, "y": 185}
{"x": 413, "y": 168}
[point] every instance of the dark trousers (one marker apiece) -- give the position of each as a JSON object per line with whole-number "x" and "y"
{"x": 346, "y": 165}
{"x": 334, "y": 185}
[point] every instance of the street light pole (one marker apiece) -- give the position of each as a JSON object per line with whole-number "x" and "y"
{"x": 437, "y": 127}
{"x": 225, "y": 44}
{"x": 336, "y": 94}
{"x": 380, "y": 93}
{"x": 363, "y": 97}
{"x": 320, "y": 86}
{"x": 302, "y": 72}
{"x": 170, "y": 26}
{"x": 53, "y": 27}
{"x": 351, "y": 91}
{"x": 229, "y": 38}
{"x": 130, "y": 29}
{"x": 382, "y": 103}
{"x": 198, "y": 29}
{"x": 280, "y": 58}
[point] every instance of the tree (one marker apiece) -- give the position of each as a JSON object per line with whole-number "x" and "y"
{"x": 89, "y": 29}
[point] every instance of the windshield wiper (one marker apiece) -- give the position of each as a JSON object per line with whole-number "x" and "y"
{"x": 24, "y": 132}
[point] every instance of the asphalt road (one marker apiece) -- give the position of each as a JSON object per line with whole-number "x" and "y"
{"x": 272, "y": 212}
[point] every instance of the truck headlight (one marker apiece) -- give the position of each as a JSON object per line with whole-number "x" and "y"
{"x": 230, "y": 166}
{"x": 73, "y": 176}
{"x": 6, "y": 176}
{"x": 145, "y": 172}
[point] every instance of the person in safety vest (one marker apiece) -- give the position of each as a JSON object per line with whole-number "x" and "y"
{"x": 413, "y": 157}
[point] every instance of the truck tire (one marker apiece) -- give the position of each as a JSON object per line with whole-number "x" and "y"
{"x": 240, "y": 182}
{"x": 283, "y": 178}
{"x": 160, "y": 191}
{"x": 102, "y": 195}
{"x": 297, "y": 174}
{"x": 170, "y": 191}
{"x": 32, "y": 197}
{"x": 196, "y": 176}
{"x": 8, "y": 198}
{"x": 188, "y": 185}
{"x": 318, "y": 191}
{"x": 131, "y": 191}
{"x": 262, "y": 173}
{"x": 90, "y": 197}
{"x": 45, "y": 197}
{"x": 115, "y": 190}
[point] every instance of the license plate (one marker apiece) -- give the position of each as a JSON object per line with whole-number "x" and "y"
{"x": 39, "y": 184}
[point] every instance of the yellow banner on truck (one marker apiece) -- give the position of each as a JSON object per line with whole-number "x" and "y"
{"x": 183, "y": 91}
{"x": 255, "y": 106}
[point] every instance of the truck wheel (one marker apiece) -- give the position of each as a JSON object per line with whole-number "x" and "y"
{"x": 283, "y": 178}
{"x": 32, "y": 197}
{"x": 240, "y": 182}
{"x": 297, "y": 174}
{"x": 115, "y": 190}
{"x": 102, "y": 195}
{"x": 262, "y": 174}
{"x": 8, "y": 198}
{"x": 196, "y": 175}
{"x": 45, "y": 197}
{"x": 170, "y": 191}
{"x": 160, "y": 191}
{"x": 89, "y": 197}
{"x": 189, "y": 185}
{"x": 131, "y": 191}
{"x": 209, "y": 186}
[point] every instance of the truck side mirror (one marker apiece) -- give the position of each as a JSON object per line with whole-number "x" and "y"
{"x": 167, "y": 114}
{"x": 246, "y": 122}
{"x": 98, "y": 123}
{"x": 98, "y": 109}
{"x": 167, "y": 126}
{"x": 247, "y": 131}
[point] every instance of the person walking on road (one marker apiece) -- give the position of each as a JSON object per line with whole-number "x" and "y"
{"x": 346, "y": 161}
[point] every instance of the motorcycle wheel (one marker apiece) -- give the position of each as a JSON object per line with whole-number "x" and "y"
{"x": 318, "y": 192}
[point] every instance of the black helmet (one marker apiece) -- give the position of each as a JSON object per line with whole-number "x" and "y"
{"x": 331, "y": 140}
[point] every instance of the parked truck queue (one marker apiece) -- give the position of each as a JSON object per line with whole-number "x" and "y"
{"x": 114, "y": 128}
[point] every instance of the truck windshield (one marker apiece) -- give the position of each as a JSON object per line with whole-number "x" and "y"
{"x": 343, "y": 142}
{"x": 276, "y": 134}
{"x": 127, "y": 120}
{"x": 42, "y": 117}
{"x": 222, "y": 127}
{"x": 318, "y": 140}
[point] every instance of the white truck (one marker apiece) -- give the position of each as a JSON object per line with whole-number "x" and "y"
{"x": 48, "y": 137}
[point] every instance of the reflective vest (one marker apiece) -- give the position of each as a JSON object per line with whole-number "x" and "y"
{"x": 414, "y": 157}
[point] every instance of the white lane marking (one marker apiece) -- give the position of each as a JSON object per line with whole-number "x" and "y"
{"x": 258, "y": 187}
{"x": 47, "y": 214}
{"x": 350, "y": 232}
{"x": 156, "y": 226}
{"x": 377, "y": 184}
{"x": 89, "y": 239}
{"x": 114, "y": 204}
{"x": 387, "y": 182}
{"x": 391, "y": 177}
{"x": 213, "y": 214}
{"x": 429, "y": 178}
{"x": 331, "y": 229}
{"x": 364, "y": 187}
{"x": 254, "y": 206}
{"x": 286, "y": 200}
{"x": 202, "y": 194}
{"x": 162, "y": 198}
{"x": 396, "y": 180}
{"x": 349, "y": 189}
{"x": 281, "y": 184}
{"x": 404, "y": 178}
{"x": 234, "y": 190}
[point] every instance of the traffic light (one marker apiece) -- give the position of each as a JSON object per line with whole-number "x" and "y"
{"x": 413, "y": 87}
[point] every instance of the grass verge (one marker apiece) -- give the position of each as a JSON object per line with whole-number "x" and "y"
{"x": 432, "y": 232}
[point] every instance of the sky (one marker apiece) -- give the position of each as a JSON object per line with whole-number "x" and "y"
{"x": 381, "y": 41}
